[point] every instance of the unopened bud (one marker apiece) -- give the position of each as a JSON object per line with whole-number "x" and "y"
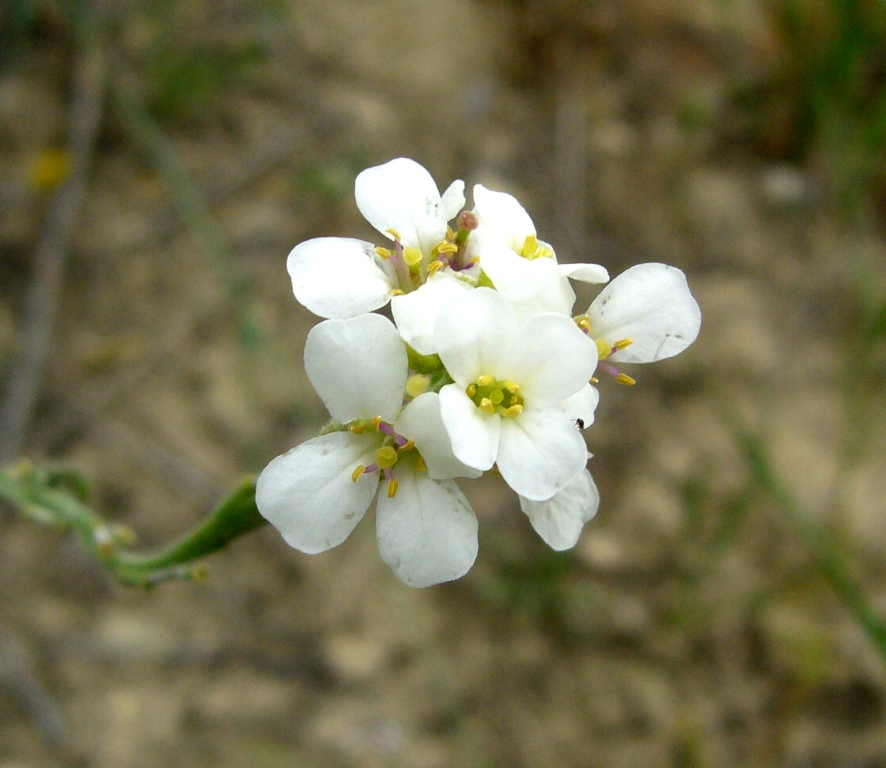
{"x": 467, "y": 220}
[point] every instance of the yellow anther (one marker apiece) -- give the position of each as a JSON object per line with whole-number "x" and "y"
{"x": 412, "y": 256}
{"x": 408, "y": 445}
{"x": 514, "y": 410}
{"x": 447, "y": 248}
{"x": 420, "y": 464}
{"x": 357, "y": 429}
{"x": 386, "y": 457}
{"x": 486, "y": 406}
{"x": 393, "y": 485}
{"x": 485, "y": 380}
{"x": 604, "y": 349}
{"x": 471, "y": 390}
{"x": 417, "y": 384}
{"x": 530, "y": 246}
{"x": 397, "y": 292}
{"x": 376, "y": 421}
{"x": 473, "y": 260}
{"x": 434, "y": 267}
{"x": 512, "y": 386}
{"x": 355, "y": 475}
{"x": 584, "y": 323}
{"x": 621, "y": 344}
{"x": 623, "y": 378}
{"x": 450, "y": 235}
{"x": 496, "y": 396}
{"x": 383, "y": 252}
{"x": 395, "y": 235}
{"x": 594, "y": 380}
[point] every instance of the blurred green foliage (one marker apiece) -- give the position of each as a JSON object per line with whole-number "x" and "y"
{"x": 826, "y": 95}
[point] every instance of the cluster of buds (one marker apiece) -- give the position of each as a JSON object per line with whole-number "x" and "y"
{"x": 484, "y": 367}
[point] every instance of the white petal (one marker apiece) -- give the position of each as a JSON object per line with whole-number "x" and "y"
{"x": 358, "y": 367}
{"x": 421, "y": 421}
{"x": 427, "y": 533}
{"x": 453, "y": 200}
{"x": 339, "y": 277}
{"x": 500, "y": 219}
{"x": 308, "y": 495}
{"x": 532, "y": 286}
{"x": 559, "y": 520}
{"x": 586, "y": 273}
{"x": 416, "y": 313}
{"x": 540, "y": 452}
{"x": 652, "y": 305}
{"x": 474, "y": 435}
{"x": 401, "y": 195}
{"x": 580, "y": 407}
{"x": 472, "y": 333}
{"x": 551, "y": 359}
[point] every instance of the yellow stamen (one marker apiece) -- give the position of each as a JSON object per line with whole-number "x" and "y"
{"x": 408, "y": 445}
{"x": 393, "y": 485}
{"x": 357, "y": 429}
{"x": 471, "y": 390}
{"x": 623, "y": 378}
{"x": 486, "y": 406}
{"x": 412, "y": 256}
{"x": 473, "y": 260}
{"x": 594, "y": 380}
{"x": 621, "y": 344}
{"x": 512, "y": 386}
{"x": 395, "y": 235}
{"x": 584, "y": 323}
{"x": 485, "y": 380}
{"x": 417, "y": 384}
{"x": 530, "y": 246}
{"x": 420, "y": 464}
{"x": 604, "y": 349}
{"x": 496, "y": 396}
{"x": 514, "y": 410}
{"x": 447, "y": 248}
{"x": 383, "y": 252}
{"x": 376, "y": 421}
{"x": 386, "y": 457}
{"x": 398, "y": 292}
{"x": 434, "y": 267}
{"x": 355, "y": 475}
{"x": 450, "y": 235}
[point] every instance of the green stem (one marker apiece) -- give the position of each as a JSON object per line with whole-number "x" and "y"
{"x": 30, "y": 491}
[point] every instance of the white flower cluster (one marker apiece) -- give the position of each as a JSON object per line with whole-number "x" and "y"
{"x": 484, "y": 366}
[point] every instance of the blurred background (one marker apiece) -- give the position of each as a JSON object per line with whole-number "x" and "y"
{"x": 159, "y": 159}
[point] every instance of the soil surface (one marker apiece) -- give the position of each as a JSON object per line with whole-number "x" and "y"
{"x": 690, "y": 627}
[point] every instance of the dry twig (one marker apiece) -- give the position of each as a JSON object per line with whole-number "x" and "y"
{"x": 41, "y": 303}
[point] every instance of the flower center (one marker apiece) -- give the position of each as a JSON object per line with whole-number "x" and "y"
{"x": 386, "y": 456}
{"x": 496, "y": 396}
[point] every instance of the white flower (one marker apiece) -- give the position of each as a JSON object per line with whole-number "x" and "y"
{"x": 317, "y": 493}
{"x": 339, "y": 277}
{"x": 520, "y": 266}
{"x": 645, "y": 314}
{"x": 511, "y": 381}
{"x": 560, "y": 519}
